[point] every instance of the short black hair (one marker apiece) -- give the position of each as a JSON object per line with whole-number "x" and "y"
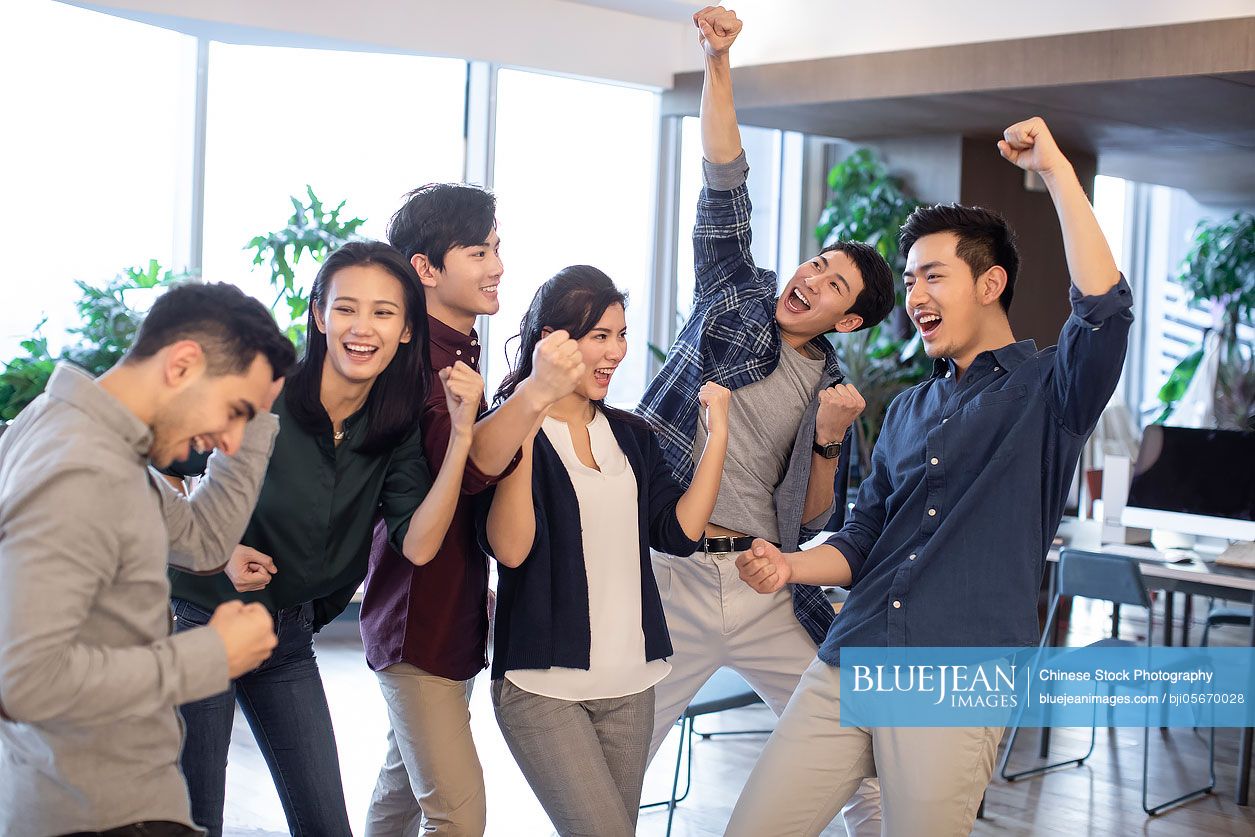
{"x": 985, "y": 239}
{"x": 230, "y": 326}
{"x": 875, "y": 301}
{"x": 440, "y": 216}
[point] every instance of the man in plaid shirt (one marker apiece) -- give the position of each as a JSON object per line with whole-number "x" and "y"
{"x": 789, "y": 416}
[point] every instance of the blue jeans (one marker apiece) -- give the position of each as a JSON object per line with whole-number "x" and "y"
{"x": 286, "y": 708}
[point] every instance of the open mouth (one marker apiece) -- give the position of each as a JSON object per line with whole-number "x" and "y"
{"x": 360, "y": 352}
{"x": 928, "y": 322}
{"x": 797, "y": 302}
{"x": 602, "y": 376}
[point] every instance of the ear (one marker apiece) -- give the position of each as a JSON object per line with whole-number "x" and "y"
{"x": 406, "y": 335}
{"x": 991, "y": 284}
{"x": 848, "y": 323}
{"x": 184, "y": 361}
{"x": 319, "y": 320}
{"x": 545, "y": 332}
{"x": 427, "y": 274}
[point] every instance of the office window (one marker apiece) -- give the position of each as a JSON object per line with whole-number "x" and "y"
{"x": 574, "y": 176}
{"x": 360, "y": 127}
{"x": 762, "y": 152}
{"x": 93, "y": 155}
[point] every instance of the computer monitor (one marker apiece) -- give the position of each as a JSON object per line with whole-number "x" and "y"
{"x": 1198, "y": 482}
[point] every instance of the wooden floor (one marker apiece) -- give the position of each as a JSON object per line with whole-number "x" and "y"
{"x": 1101, "y": 798}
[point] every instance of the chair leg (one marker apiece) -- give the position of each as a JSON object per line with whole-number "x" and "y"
{"x": 1156, "y": 810}
{"x": 1033, "y": 771}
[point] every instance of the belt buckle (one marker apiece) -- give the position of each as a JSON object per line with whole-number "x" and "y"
{"x": 721, "y": 545}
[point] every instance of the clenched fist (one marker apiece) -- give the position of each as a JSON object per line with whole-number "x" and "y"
{"x": 764, "y": 567}
{"x": 557, "y": 367}
{"x": 839, "y": 406}
{"x": 715, "y": 399}
{"x": 248, "y": 633}
{"x": 463, "y": 393}
{"x": 1030, "y": 146}
{"x": 249, "y": 569}
{"x": 719, "y": 28}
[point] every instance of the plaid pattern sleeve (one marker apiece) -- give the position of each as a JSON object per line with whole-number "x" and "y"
{"x": 730, "y": 336}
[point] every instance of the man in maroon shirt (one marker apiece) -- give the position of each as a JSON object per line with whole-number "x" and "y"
{"x": 425, "y": 628}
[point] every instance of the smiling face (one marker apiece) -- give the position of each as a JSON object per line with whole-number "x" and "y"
{"x": 364, "y": 321}
{"x": 952, "y": 309}
{"x": 210, "y": 412}
{"x": 602, "y": 350}
{"x": 467, "y": 286}
{"x": 818, "y": 297}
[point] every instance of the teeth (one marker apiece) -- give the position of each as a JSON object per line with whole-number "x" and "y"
{"x": 488, "y": 288}
{"x": 929, "y": 318}
{"x": 798, "y": 293}
{"x": 357, "y": 347}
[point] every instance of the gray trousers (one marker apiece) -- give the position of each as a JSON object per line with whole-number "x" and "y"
{"x": 585, "y": 760}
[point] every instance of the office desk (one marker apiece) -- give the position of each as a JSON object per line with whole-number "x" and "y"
{"x": 1193, "y": 578}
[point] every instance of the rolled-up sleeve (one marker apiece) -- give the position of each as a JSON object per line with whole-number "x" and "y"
{"x": 1090, "y": 357}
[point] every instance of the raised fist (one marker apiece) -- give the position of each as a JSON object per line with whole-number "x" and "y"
{"x": 839, "y": 406}
{"x": 719, "y": 28}
{"x": 557, "y": 366}
{"x": 715, "y": 400}
{"x": 1030, "y": 146}
{"x": 463, "y": 393}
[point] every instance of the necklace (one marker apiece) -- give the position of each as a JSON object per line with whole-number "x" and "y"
{"x": 339, "y": 435}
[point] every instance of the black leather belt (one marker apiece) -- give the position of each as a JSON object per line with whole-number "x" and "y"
{"x": 722, "y": 545}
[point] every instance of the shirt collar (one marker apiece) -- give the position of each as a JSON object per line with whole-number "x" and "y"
{"x": 77, "y": 388}
{"x": 1008, "y": 357}
{"x": 449, "y": 345}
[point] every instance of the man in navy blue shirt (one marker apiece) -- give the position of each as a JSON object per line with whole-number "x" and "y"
{"x": 946, "y": 544}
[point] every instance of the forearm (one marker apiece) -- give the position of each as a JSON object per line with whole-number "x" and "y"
{"x": 823, "y": 565}
{"x": 721, "y": 137}
{"x": 205, "y": 527}
{"x": 511, "y": 525}
{"x": 499, "y": 435}
{"x": 819, "y": 491}
{"x": 696, "y": 505}
{"x": 431, "y": 519}
{"x": 1090, "y": 263}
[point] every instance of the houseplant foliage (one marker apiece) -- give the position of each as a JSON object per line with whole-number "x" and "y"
{"x": 867, "y": 204}
{"x": 110, "y": 318}
{"x": 110, "y": 313}
{"x": 1218, "y": 274}
{"x": 313, "y": 230}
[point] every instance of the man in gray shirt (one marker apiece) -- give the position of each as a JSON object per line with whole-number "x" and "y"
{"x": 89, "y": 673}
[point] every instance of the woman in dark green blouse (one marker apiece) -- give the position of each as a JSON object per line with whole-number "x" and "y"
{"x": 348, "y": 450}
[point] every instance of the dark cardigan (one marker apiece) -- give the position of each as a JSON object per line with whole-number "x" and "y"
{"x": 542, "y": 605}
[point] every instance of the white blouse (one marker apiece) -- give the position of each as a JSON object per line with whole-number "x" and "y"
{"x": 611, "y": 539}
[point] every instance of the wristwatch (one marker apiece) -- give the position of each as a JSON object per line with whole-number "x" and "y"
{"x": 830, "y": 451}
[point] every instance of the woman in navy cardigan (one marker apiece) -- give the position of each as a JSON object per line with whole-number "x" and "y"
{"x": 580, "y": 635}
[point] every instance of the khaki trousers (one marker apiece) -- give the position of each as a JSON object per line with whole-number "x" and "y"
{"x": 431, "y": 781}
{"x": 717, "y": 620}
{"x": 931, "y": 779}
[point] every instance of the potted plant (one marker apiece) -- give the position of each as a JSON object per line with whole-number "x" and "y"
{"x": 1215, "y": 384}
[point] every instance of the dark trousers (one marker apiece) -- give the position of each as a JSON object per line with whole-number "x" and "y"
{"x": 286, "y": 708}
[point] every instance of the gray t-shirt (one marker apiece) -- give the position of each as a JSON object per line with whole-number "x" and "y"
{"x": 763, "y": 418}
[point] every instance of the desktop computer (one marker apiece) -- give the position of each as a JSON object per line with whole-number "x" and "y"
{"x": 1198, "y": 483}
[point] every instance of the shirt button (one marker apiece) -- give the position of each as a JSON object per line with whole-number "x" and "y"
{"x": 947, "y": 374}
{"x": 935, "y": 460}
{"x": 944, "y": 420}
{"x": 474, "y": 342}
{"x": 911, "y": 557}
{"x": 897, "y": 603}
{"x": 932, "y": 512}
{"x": 997, "y": 369}
{"x": 458, "y": 352}
{"x": 1095, "y": 328}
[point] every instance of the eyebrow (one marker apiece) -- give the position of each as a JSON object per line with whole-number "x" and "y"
{"x": 377, "y": 301}
{"x": 824, "y": 263}
{"x": 924, "y": 267}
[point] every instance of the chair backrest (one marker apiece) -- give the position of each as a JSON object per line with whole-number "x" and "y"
{"x": 1095, "y": 575}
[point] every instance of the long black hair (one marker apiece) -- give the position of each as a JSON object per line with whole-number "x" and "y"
{"x": 574, "y": 300}
{"x": 396, "y": 399}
